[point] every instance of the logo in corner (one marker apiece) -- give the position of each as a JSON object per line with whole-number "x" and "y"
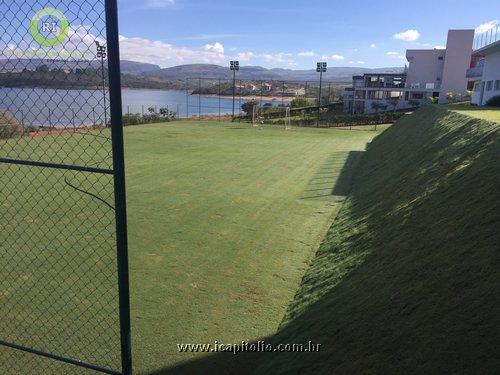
{"x": 49, "y": 34}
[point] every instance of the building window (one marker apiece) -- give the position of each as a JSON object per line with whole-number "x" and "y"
{"x": 360, "y": 94}
{"x": 393, "y": 94}
{"x": 497, "y": 85}
{"x": 429, "y": 86}
{"x": 489, "y": 85}
{"x": 375, "y": 95}
{"x": 417, "y": 95}
{"x": 359, "y": 108}
{"x": 440, "y": 58}
{"x": 477, "y": 86}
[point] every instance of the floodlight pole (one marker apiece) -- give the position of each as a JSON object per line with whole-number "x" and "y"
{"x": 102, "y": 54}
{"x": 234, "y": 66}
{"x": 234, "y": 89}
{"x": 320, "y": 68}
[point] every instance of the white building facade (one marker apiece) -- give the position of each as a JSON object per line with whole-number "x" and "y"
{"x": 432, "y": 73}
{"x": 487, "y": 74}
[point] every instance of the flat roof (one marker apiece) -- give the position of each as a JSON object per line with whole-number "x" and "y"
{"x": 383, "y": 74}
{"x": 486, "y": 50}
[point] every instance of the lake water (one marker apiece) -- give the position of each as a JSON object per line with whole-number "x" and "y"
{"x": 76, "y": 108}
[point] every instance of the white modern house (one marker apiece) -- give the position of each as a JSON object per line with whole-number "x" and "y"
{"x": 430, "y": 73}
{"x": 486, "y": 72}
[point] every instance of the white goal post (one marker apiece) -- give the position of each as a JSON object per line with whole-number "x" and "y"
{"x": 288, "y": 120}
{"x": 256, "y": 120}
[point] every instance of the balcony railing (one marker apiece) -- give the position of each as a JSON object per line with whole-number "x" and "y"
{"x": 385, "y": 85}
{"x": 486, "y": 38}
{"x": 476, "y": 72}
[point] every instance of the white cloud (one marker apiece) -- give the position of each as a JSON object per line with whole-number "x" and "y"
{"x": 396, "y": 55}
{"x": 324, "y": 57}
{"x": 165, "y": 54}
{"x": 354, "y": 50}
{"x": 337, "y": 57}
{"x": 214, "y": 48}
{"x": 487, "y": 26}
{"x": 357, "y": 62}
{"x": 278, "y": 58}
{"x": 373, "y": 45}
{"x": 306, "y": 54}
{"x": 160, "y": 3}
{"x": 408, "y": 35}
{"x": 439, "y": 47}
{"x": 245, "y": 56}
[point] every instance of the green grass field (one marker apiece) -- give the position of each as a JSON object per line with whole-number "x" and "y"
{"x": 484, "y": 113}
{"x": 223, "y": 222}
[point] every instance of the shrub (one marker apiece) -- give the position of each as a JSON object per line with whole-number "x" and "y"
{"x": 433, "y": 99}
{"x": 301, "y": 101}
{"x": 451, "y": 96}
{"x": 414, "y": 103}
{"x": 494, "y": 102}
{"x": 247, "y": 107}
{"x": 9, "y": 126}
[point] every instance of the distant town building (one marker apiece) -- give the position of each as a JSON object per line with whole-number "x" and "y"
{"x": 266, "y": 87}
{"x": 431, "y": 73}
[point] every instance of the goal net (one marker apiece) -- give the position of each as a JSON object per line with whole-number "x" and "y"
{"x": 288, "y": 122}
{"x": 256, "y": 116}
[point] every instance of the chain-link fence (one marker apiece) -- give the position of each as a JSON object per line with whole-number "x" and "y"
{"x": 218, "y": 99}
{"x": 63, "y": 284}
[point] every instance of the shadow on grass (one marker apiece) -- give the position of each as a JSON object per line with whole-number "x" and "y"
{"x": 334, "y": 178}
{"x": 407, "y": 278}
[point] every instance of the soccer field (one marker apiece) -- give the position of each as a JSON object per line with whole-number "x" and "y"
{"x": 223, "y": 221}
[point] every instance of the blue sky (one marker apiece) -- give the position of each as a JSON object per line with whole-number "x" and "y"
{"x": 293, "y": 33}
{"x": 271, "y": 33}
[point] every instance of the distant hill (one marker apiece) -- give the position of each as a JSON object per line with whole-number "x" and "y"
{"x": 337, "y": 74}
{"x": 134, "y": 67}
{"x": 128, "y": 67}
{"x": 334, "y": 74}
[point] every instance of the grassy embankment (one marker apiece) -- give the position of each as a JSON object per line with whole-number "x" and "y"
{"x": 407, "y": 278}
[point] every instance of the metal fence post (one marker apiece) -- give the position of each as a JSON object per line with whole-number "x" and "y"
{"x": 119, "y": 182}
{"x": 187, "y": 98}
{"x": 219, "y": 99}
{"x": 199, "y": 98}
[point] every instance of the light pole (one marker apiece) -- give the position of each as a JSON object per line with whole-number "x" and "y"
{"x": 234, "y": 66}
{"x": 320, "y": 68}
{"x": 101, "y": 54}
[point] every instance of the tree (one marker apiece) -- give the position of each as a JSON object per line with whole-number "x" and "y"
{"x": 247, "y": 107}
{"x": 301, "y": 101}
{"x": 377, "y": 107}
{"x": 414, "y": 103}
{"x": 394, "y": 103}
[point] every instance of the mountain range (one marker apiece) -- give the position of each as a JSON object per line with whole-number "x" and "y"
{"x": 334, "y": 74}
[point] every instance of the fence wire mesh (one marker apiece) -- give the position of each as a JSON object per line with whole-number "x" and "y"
{"x": 58, "y": 262}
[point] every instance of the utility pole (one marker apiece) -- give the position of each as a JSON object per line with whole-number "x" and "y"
{"x": 234, "y": 66}
{"x": 320, "y": 68}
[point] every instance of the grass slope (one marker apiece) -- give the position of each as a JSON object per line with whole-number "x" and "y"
{"x": 407, "y": 278}
{"x": 223, "y": 222}
{"x": 484, "y": 113}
